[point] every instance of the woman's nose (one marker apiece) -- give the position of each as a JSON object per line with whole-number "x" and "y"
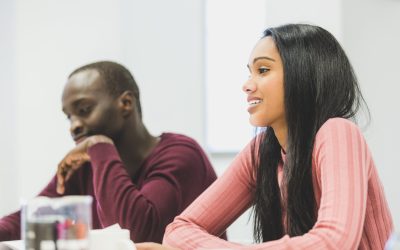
{"x": 249, "y": 86}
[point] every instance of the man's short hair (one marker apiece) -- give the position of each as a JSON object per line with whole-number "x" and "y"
{"x": 116, "y": 78}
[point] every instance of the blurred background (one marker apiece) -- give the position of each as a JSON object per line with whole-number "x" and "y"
{"x": 189, "y": 58}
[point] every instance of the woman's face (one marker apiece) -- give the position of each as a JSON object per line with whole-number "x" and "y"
{"x": 264, "y": 88}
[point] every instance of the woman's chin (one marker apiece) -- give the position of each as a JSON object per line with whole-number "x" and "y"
{"x": 257, "y": 122}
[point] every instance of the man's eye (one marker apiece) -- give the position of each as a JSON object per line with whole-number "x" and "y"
{"x": 85, "y": 110}
{"x": 263, "y": 70}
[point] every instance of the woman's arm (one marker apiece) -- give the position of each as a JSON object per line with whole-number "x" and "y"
{"x": 341, "y": 161}
{"x": 214, "y": 210}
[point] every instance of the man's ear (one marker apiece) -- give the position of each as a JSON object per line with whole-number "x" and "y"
{"x": 127, "y": 102}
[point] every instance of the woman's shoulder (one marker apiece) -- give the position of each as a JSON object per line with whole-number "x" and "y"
{"x": 338, "y": 125}
{"x": 338, "y": 132}
{"x": 340, "y": 140}
{"x": 339, "y": 121}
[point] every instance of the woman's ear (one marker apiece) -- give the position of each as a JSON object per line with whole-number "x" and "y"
{"x": 126, "y": 103}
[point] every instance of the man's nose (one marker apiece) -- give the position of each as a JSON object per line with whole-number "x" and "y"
{"x": 76, "y": 126}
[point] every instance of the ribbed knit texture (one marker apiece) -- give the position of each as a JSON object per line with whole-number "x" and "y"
{"x": 352, "y": 209}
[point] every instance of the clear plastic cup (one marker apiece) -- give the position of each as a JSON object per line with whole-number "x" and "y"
{"x": 57, "y": 223}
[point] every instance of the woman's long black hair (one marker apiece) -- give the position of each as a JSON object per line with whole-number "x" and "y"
{"x": 319, "y": 83}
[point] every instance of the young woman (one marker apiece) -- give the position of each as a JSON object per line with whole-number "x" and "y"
{"x": 309, "y": 176}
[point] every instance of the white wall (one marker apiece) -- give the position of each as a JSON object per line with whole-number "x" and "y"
{"x": 8, "y": 173}
{"x": 163, "y": 45}
{"x": 372, "y": 38}
{"x": 228, "y": 42}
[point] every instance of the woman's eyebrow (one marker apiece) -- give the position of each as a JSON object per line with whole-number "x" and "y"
{"x": 263, "y": 58}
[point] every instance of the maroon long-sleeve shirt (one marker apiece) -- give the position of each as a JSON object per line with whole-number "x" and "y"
{"x": 169, "y": 179}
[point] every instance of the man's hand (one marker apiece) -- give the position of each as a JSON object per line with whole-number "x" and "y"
{"x": 152, "y": 246}
{"x": 76, "y": 158}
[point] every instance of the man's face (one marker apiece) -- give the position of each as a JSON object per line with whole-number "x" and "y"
{"x": 89, "y": 107}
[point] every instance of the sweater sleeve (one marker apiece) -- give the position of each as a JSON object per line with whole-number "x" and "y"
{"x": 215, "y": 209}
{"x": 10, "y": 227}
{"x": 341, "y": 161}
{"x": 176, "y": 174}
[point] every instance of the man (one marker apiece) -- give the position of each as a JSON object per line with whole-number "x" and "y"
{"x": 137, "y": 180}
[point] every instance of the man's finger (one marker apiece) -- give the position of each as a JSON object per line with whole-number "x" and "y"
{"x": 61, "y": 172}
{"x": 69, "y": 174}
{"x": 60, "y": 188}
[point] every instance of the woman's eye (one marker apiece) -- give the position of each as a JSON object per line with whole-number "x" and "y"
{"x": 263, "y": 70}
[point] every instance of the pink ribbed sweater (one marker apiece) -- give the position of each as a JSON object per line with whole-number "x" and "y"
{"x": 352, "y": 209}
